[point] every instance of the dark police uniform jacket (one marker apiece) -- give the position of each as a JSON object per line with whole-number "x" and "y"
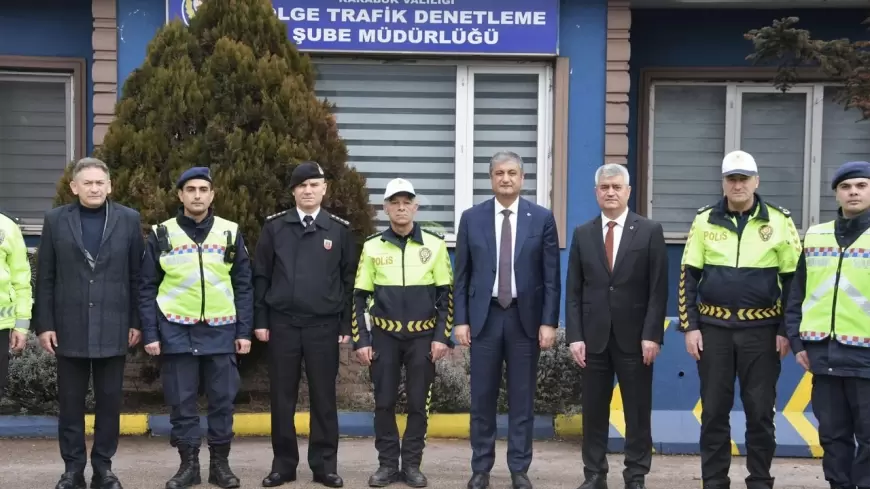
{"x": 200, "y": 338}
{"x": 304, "y": 279}
{"x": 827, "y": 357}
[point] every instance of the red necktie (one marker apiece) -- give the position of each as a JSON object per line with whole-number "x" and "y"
{"x": 608, "y": 244}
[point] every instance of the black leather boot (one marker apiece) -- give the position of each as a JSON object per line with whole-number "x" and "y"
{"x": 71, "y": 480}
{"x": 413, "y": 477}
{"x": 105, "y": 480}
{"x": 219, "y": 472}
{"x": 188, "y": 472}
{"x": 384, "y": 476}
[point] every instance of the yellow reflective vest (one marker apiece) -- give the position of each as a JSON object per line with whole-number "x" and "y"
{"x": 739, "y": 272}
{"x": 16, "y": 294}
{"x": 196, "y": 285}
{"x": 407, "y": 288}
{"x": 837, "y": 302}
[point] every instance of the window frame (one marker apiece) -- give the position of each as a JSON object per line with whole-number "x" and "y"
{"x": 48, "y": 70}
{"x": 464, "y": 139}
{"x": 737, "y": 82}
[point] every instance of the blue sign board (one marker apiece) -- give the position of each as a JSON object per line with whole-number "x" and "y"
{"x": 495, "y": 27}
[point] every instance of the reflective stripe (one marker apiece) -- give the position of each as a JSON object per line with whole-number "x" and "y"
{"x": 213, "y": 280}
{"x": 7, "y": 312}
{"x": 180, "y": 288}
{"x": 397, "y": 326}
{"x": 818, "y": 293}
{"x": 745, "y": 314}
{"x": 213, "y": 321}
{"x": 853, "y": 293}
{"x": 834, "y": 305}
{"x": 813, "y": 335}
{"x": 196, "y": 285}
{"x": 835, "y": 252}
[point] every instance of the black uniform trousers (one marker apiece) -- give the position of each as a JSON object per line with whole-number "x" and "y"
{"x": 4, "y": 359}
{"x": 180, "y": 374}
{"x": 73, "y": 377}
{"x": 842, "y": 407}
{"x": 635, "y": 381}
{"x": 318, "y": 347}
{"x": 393, "y": 353}
{"x": 750, "y": 355}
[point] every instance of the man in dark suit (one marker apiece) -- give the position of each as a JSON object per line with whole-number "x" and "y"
{"x": 507, "y": 296}
{"x": 86, "y": 313}
{"x": 616, "y": 296}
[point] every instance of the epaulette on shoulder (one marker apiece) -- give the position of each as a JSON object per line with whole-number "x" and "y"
{"x": 275, "y": 215}
{"x": 706, "y": 208}
{"x": 434, "y": 233}
{"x": 374, "y": 235}
{"x": 337, "y": 219}
{"x": 778, "y": 207}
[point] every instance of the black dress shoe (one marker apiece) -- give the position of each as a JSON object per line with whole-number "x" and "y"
{"x": 384, "y": 476}
{"x": 413, "y": 477}
{"x": 635, "y": 485}
{"x": 105, "y": 480}
{"x": 520, "y": 480}
{"x": 479, "y": 480}
{"x": 595, "y": 482}
{"x": 276, "y": 479}
{"x": 72, "y": 480}
{"x": 329, "y": 480}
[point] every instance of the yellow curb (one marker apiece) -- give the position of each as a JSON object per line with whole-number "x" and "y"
{"x": 449, "y": 426}
{"x": 131, "y": 424}
{"x": 568, "y": 426}
{"x": 260, "y": 424}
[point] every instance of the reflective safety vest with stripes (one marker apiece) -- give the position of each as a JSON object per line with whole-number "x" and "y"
{"x": 196, "y": 284}
{"x": 837, "y": 302}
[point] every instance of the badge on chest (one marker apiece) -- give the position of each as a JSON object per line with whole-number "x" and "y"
{"x": 327, "y": 244}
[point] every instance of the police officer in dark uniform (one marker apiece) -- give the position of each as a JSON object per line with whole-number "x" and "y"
{"x": 197, "y": 314}
{"x": 304, "y": 270}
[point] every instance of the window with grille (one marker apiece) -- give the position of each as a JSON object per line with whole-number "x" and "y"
{"x": 798, "y": 139}
{"x": 438, "y": 124}
{"x": 36, "y": 141}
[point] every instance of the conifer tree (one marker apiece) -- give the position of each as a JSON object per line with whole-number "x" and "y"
{"x": 232, "y": 93}
{"x": 790, "y": 48}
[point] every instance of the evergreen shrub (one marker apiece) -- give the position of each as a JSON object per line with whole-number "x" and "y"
{"x": 230, "y": 92}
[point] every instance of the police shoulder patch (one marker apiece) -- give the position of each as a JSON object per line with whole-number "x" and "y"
{"x": 778, "y": 207}
{"x": 373, "y": 235}
{"x": 337, "y": 219}
{"x": 706, "y": 208}
{"x": 433, "y": 233}
{"x": 277, "y": 214}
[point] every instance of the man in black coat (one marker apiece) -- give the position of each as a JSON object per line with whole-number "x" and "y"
{"x": 304, "y": 269}
{"x": 615, "y": 300}
{"x": 86, "y": 313}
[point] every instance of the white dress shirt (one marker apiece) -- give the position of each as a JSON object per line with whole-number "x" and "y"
{"x": 303, "y": 214}
{"x": 617, "y": 231}
{"x": 499, "y": 218}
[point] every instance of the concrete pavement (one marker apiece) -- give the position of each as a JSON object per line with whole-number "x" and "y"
{"x": 146, "y": 463}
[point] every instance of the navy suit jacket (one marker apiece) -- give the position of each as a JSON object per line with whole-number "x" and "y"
{"x": 536, "y": 266}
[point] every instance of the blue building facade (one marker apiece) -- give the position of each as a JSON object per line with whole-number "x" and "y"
{"x": 662, "y": 86}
